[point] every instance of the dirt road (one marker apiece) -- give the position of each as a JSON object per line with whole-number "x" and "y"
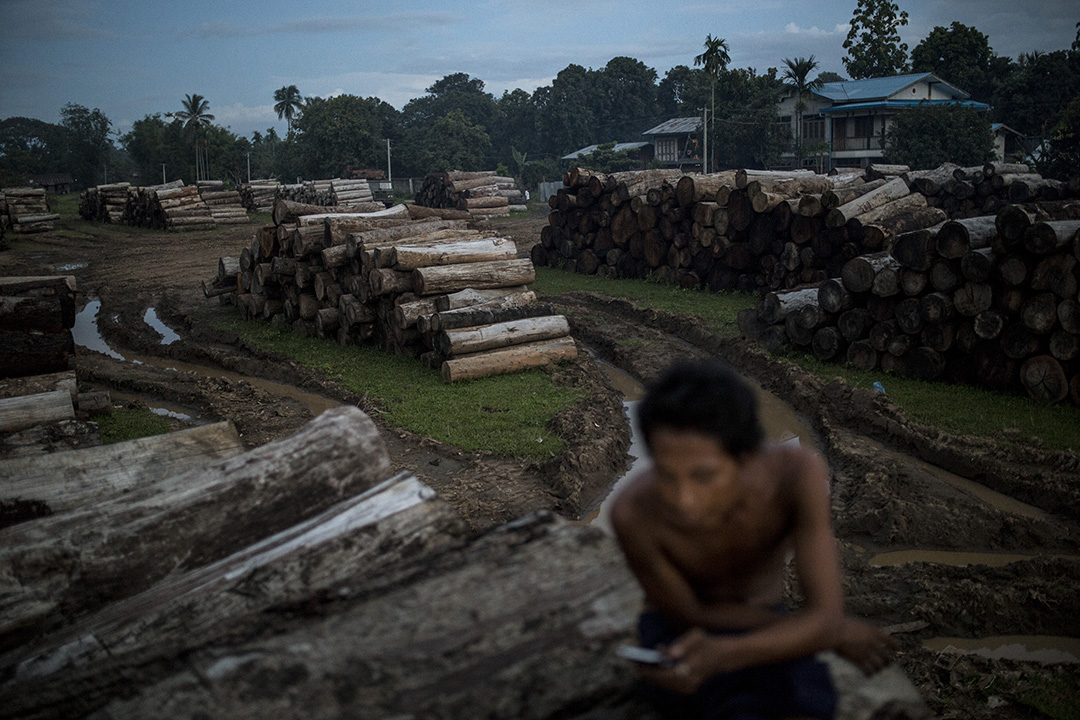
{"x": 898, "y": 487}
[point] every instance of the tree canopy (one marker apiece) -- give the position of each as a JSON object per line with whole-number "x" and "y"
{"x": 960, "y": 55}
{"x": 929, "y": 135}
{"x": 873, "y": 42}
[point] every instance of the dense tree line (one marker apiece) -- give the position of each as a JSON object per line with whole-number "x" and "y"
{"x": 457, "y": 124}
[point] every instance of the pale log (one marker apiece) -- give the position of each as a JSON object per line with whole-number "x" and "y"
{"x": 451, "y": 278}
{"x": 891, "y": 190}
{"x": 883, "y": 213}
{"x": 25, "y": 411}
{"x": 410, "y": 257}
{"x": 501, "y": 334}
{"x": 74, "y": 478}
{"x": 406, "y": 314}
{"x": 474, "y": 296}
{"x": 776, "y": 306}
{"x": 931, "y": 182}
{"x": 34, "y": 384}
{"x": 60, "y": 567}
{"x": 383, "y": 281}
{"x": 831, "y": 199}
{"x": 508, "y": 360}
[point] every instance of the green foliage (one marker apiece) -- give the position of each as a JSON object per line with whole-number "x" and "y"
{"x": 797, "y": 77}
{"x": 88, "y": 143}
{"x": 131, "y": 424}
{"x": 195, "y": 112}
{"x": 152, "y": 142}
{"x": 1061, "y": 158}
{"x": 715, "y": 59}
{"x": 719, "y": 311}
{"x": 288, "y": 103}
{"x": 683, "y": 92}
{"x": 506, "y": 414}
{"x": 605, "y": 159}
{"x": 926, "y": 136}
{"x": 452, "y": 143}
{"x": 341, "y": 132}
{"x": 746, "y": 132}
{"x": 29, "y": 147}
{"x": 960, "y": 55}
{"x": 873, "y": 42}
{"x": 1032, "y": 97}
{"x": 829, "y": 77}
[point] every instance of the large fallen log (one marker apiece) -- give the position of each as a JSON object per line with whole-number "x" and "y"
{"x": 69, "y": 480}
{"x": 451, "y": 278}
{"x": 58, "y": 568}
{"x": 501, "y": 334}
{"x": 410, "y": 257}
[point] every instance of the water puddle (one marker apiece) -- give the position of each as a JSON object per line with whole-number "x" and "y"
{"x": 156, "y": 406}
{"x": 87, "y": 334}
{"x": 778, "y": 420}
{"x": 1045, "y": 649}
{"x": 69, "y": 267}
{"x": 168, "y": 335}
{"x": 958, "y": 559}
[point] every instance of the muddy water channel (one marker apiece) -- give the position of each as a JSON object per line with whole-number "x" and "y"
{"x": 87, "y": 334}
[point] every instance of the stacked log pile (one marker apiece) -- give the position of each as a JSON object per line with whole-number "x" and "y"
{"x": 743, "y": 230}
{"x": 27, "y": 210}
{"x": 355, "y": 194}
{"x": 986, "y": 189}
{"x": 259, "y": 195}
{"x": 482, "y": 194}
{"x": 225, "y": 205}
{"x": 988, "y": 300}
{"x": 427, "y": 287}
{"x": 36, "y": 317}
{"x": 106, "y": 203}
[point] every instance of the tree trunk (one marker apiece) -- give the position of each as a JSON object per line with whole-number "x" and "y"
{"x": 485, "y": 275}
{"x": 891, "y": 190}
{"x": 957, "y": 237}
{"x": 508, "y": 360}
{"x": 183, "y": 522}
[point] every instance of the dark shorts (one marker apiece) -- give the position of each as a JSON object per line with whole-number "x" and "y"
{"x": 794, "y": 688}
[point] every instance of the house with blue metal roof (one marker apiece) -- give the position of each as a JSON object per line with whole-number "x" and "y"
{"x": 846, "y": 121}
{"x": 677, "y": 143}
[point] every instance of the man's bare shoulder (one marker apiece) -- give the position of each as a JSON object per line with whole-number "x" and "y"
{"x": 628, "y": 507}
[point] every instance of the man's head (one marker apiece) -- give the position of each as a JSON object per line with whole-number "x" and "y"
{"x": 705, "y": 397}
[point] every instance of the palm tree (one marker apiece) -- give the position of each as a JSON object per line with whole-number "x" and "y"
{"x": 714, "y": 60}
{"x": 288, "y": 103}
{"x": 796, "y": 77}
{"x": 196, "y": 117}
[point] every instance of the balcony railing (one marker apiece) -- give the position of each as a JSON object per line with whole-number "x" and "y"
{"x": 873, "y": 142}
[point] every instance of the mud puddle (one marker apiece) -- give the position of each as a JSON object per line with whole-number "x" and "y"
{"x": 957, "y": 559}
{"x": 1027, "y": 648}
{"x": 86, "y": 334}
{"x": 168, "y": 335}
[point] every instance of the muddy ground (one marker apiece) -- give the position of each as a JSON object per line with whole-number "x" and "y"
{"x": 891, "y": 485}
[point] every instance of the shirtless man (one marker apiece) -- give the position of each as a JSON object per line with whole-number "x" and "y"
{"x": 708, "y": 531}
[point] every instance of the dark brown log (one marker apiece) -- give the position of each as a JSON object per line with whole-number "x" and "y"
{"x": 886, "y": 281}
{"x": 898, "y": 346}
{"x": 34, "y": 353}
{"x": 881, "y": 309}
{"x": 1017, "y": 341}
{"x": 972, "y": 298}
{"x": 511, "y": 307}
{"x": 1057, "y": 274}
{"x": 858, "y": 273}
{"x": 828, "y": 343}
{"x": 989, "y": 324}
{"x": 834, "y": 297}
{"x": 862, "y": 355}
{"x": 1012, "y": 222}
{"x": 956, "y": 237}
{"x": 935, "y": 308}
{"x": 938, "y": 337}
{"x": 882, "y": 334}
{"x": 1044, "y": 379}
{"x": 44, "y": 314}
{"x": 915, "y": 250}
{"x": 1064, "y": 346}
{"x": 923, "y": 363}
{"x": 1013, "y": 270}
{"x": 978, "y": 265}
{"x": 855, "y": 324}
{"x": 913, "y": 282}
{"x": 945, "y": 275}
{"x": 1039, "y": 313}
{"x": 908, "y": 317}
{"x": 1047, "y": 237}
{"x": 1068, "y": 313}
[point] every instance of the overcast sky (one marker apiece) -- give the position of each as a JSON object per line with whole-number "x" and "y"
{"x": 135, "y": 58}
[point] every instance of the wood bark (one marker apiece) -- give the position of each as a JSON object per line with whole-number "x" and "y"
{"x": 501, "y": 334}
{"x": 25, "y": 411}
{"x": 409, "y": 257}
{"x": 510, "y": 359}
{"x": 451, "y": 278}
{"x": 891, "y": 190}
{"x": 183, "y": 522}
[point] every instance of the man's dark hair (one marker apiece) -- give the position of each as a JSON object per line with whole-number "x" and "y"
{"x": 707, "y": 397}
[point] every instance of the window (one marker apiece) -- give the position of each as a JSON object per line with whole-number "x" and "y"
{"x": 667, "y": 149}
{"x": 864, "y": 127}
{"x": 813, "y": 130}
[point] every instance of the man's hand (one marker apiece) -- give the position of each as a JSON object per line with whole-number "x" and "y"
{"x": 697, "y": 657}
{"x": 865, "y": 645}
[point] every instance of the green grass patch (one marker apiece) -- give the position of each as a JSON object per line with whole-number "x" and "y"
{"x": 506, "y": 414}
{"x": 1056, "y": 697}
{"x": 130, "y": 424}
{"x": 719, "y": 311}
{"x": 66, "y": 205}
{"x": 958, "y": 409}
{"x": 963, "y": 409}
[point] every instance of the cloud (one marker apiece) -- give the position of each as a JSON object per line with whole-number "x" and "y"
{"x": 815, "y": 31}
{"x": 56, "y": 21}
{"x": 328, "y": 24}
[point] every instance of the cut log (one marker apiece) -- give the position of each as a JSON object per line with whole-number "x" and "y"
{"x": 858, "y": 273}
{"x": 409, "y": 257}
{"x": 183, "y": 522}
{"x": 972, "y": 298}
{"x": 1039, "y": 313}
{"x": 776, "y": 306}
{"x": 1044, "y": 379}
{"x": 73, "y": 479}
{"x": 891, "y": 190}
{"x": 451, "y": 278}
{"x": 473, "y": 296}
{"x": 862, "y": 355}
{"x": 26, "y": 411}
{"x": 35, "y": 384}
{"x": 507, "y": 360}
{"x": 1047, "y": 237}
{"x": 508, "y": 307}
{"x": 916, "y": 250}
{"x": 499, "y": 335}
{"x": 956, "y": 237}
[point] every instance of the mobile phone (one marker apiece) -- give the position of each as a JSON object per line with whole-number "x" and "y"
{"x": 645, "y": 656}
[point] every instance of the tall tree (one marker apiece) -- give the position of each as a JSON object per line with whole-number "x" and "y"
{"x": 454, "y": 143}
{"x": 628, "y": 100}
{"x": 29, "y": 147}
{"x": 344, "y": 132}
{"x": 88, "y": 142}
{"x": 714, "y": 60}
{"x": 683, "y": 91}
{"x": 927, "y": 136}
{"x": 873, "y": 42}
{"x": 960, "y": 55}
{"x": 797, "y": 77}
{"x": 288, "y": 104}
{"x": 195, "y": 116}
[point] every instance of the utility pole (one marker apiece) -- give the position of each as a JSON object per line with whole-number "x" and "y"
{"x": 389, "y": 170}
{"x": 249, "y": 167}
{"x": 162, "y": 173}
{"x": 705, "y": 142}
